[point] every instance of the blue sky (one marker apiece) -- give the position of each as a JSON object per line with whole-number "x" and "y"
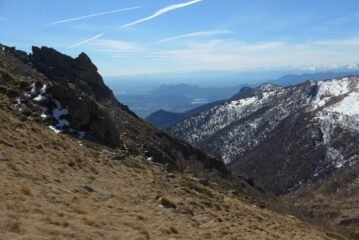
{"x": 199, "y": 35}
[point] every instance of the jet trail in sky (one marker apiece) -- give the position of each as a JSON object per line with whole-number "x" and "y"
{"x": 86, "y": 41}
{"x": 197, "y": 34}
{"x": 161, "y": 11}
{"x": 93, "y": 15}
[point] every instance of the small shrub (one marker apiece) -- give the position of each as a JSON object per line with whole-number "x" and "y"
{"x": 26, "y": 190}
{"x": 216, "y": 216}
{"x": 201, "y": 189}
{"x": 72, "y": 164}
{"x": 354, "y": 236}
{"x": 187, "y": 210}
{"x": 15, "y": 227}
{"x": 167, "y": 202}
{"x": 173, "y": 230}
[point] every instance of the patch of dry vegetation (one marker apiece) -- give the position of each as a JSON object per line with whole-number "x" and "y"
{"x": 331, "y": 203}
{"x": 66, "y": 190}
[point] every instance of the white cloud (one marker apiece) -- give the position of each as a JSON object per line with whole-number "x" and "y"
{"x": 223, "y": 55}
{"x": 234, "y": 55}
{"x": 196, "y": 34}
{"x": 93, "y": 15}
{"x": 160, "y": 12}
{"x": 86, "y": 41}
{"x": 339, "y": 42}
{"x": 115, "y": 46}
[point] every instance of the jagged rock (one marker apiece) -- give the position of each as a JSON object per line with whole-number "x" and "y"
{"x": 74, "y": 87}
{"x": 72, "y": 75}
{"x": 79, "y": 71}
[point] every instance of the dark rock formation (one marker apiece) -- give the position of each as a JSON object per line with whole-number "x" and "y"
{"x": 92, "y": 107}
{"x": 78, "y": 86}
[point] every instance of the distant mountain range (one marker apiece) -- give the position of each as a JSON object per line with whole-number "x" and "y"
{"x": 175, "y": 98}
{"x": 164, "y": 118}
{"x": 293, "y": 79}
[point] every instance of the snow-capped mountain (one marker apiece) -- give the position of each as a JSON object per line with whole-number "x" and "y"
{"x": 282, "y": 137}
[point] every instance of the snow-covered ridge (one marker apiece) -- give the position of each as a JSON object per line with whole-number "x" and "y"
{"x": 223, "y": 115}
{"x": 312, "y": 127}
{"x": 282, "y": 102}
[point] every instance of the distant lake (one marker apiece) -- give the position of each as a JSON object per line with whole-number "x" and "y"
{"x": 199, "y": 101}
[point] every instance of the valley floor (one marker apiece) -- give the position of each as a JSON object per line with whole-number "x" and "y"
{"x": 55, "y": 187}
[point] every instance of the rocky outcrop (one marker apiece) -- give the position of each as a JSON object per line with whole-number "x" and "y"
{"x": 70, "y": 93}
{"x": 79, "y": 71}
{"x": 77, "y": 85}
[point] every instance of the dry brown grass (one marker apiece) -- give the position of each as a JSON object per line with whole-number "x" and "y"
{"x": 332, "y": 202}
{"x": 43, "y": 196}
{"x": 15, "y": 227}
{"x": 25, "y": 189}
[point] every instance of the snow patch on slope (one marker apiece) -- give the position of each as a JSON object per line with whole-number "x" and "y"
{"x": 38, "y": 93}
{"x": 42, "y": 94}
{"x": 329, "y": 89}
{"x": 344, "y": 112}
{"x": 348, "y": 106}
{"x": 241, "y": 103}
{"x": 59, "y": 113}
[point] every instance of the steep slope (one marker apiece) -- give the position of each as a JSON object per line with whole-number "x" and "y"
{"x": 288, "y": 138}
{"x": 260, "y": 122}
{"x": 61, "y": 182}
{"x": 225, "y": 127}
{"x": 163, "y": 118}
{"x": 71, "y": 96}
{"x": 55, "y": 187}
{"x": 331, "y": 201}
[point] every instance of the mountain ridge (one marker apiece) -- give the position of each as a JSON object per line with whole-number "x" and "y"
{"x": 91, "y": 107}
{"x": 287, "y": 138}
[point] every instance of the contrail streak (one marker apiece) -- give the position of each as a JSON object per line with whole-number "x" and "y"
{"x": 196, "y": 34}
{"x": 86, "y": 41}
{"x": 93, "y": 15}
{"x": 161, "y": 11}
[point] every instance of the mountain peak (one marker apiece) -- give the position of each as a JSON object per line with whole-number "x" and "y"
{"x": 243, "y": 93}
{"x": 84, "y": 61}
{"x": 269, "y": 87}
